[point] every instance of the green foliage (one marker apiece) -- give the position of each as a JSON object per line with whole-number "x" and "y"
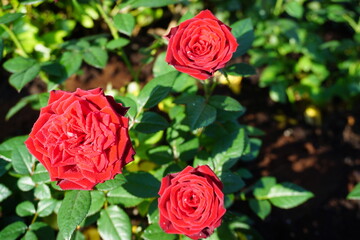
{"x": 4, "y": 192}
{"x": 124, "y": 22}
{"x": 114, "y": 224}
{"x": 174, "y": 120}
{"x": 73, "y": 211}
{"x": 244, "y": 33}
{"x": 13, "y": 231}
{"x": 300, "y": 64}
{"x": 355, "y": 193}
{"x": 155, "y": 232}
{"x": 282, "y": 195}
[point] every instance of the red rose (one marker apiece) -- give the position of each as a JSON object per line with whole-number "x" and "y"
{"x": 191, "y": 202}
{"x": 200, "y": 46}
{"x": 81, "y": 138}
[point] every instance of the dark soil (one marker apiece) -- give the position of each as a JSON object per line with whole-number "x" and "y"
{"x": 324, "y": 160}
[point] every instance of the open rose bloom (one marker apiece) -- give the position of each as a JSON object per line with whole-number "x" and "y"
{"x": 81, "y": 138}
{"x": 200, "y": 46}
{"x": 191, "y": 202}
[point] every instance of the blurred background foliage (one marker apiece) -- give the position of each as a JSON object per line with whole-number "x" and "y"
{"x": 305, "y": 52}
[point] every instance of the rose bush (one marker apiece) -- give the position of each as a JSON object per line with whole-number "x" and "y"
{"x": 81, "y": 138}
{"x": 200, "y": 46}
{"x": 191, "y": 202}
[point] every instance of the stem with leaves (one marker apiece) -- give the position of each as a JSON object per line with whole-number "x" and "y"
{"x": 15, "y": 39}
{"x": 115, "y": 35}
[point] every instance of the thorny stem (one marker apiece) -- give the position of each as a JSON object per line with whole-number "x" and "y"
{"x": 115, "y": 35}
{"x": 15, "y": 40}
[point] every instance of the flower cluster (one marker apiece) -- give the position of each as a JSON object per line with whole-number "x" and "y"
{"x": 82, "y": 137}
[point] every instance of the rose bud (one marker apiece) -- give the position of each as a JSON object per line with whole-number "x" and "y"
{"x": 191, "y": 202}
{"x": 200, "y": 46}
{"x": 81, "y": 138}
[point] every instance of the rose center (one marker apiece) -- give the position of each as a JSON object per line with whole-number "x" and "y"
{"x": 192, "y": 199}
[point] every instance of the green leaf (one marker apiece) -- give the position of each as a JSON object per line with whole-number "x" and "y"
{"x": 18, "y": 64}
{"x": 95, "y": 56}
{"x": 121, "y": 196}
{"x": 22, "y": 160}
{"x": 225, "y": 103}
{"x": 156, "y": 90}
{"x": 151, "y": 122}
{"x": 232, "y": 182}
{"x": 147, "y": 3}
{"x": 294, "y": 9}
{"x": 130, "y": 103}
{"x": 118, "y": 180}
{"x": 9, "y": 145}
{"x": 4, "y": 192}
{"x": 229, "y": 149}
{"x": 73, "y": 211}
{"x": 30, "y": 2}
{"x": 161, "y": 66}
{"x": 185, "y": 83}
{"x": 26, "y": 208}
{"x": 244, "y": 173}
{"x": 29, "y": 235}
{"x": 198, "y": 112}
{"x": 355, "y": 193}
{"x": 253, "y": 131}
{"x": 154, "y": 231}
{"x": 42, "y": 191}
{"x": 114, "y": 224}
{"x": 45, "y": 207}
{"x": 142, "y": 184}
{"x": 254, "y": 145}
{"x": 19, "y": 79}
{"x": 188, "y": 15}
{"x": 278, "y": 92}
{"x": 188, "y": 149}
{"x": 10, "y": 17}
{"x": 262, "y": 208}
{"x": 41, "y": 175}
{"x": 124, "y": 22}
{"x": 4, "y": 167}
{"x": 25, "y": 183}
{"x": 71, "y": 62}
{"x": 263, "y": 186}
{"x": 153, "y": 212}
{"x": 42, "y": 230}
{"x": 160, "y": 155}
{"x": 117, "y": 43}
{"x": 13, "y": 231}
{"x": 244, "y": 34}
{"x": 240, "y": 69}
{"x": 55, "y": 71}
{"x": 97, "y": 202}
{"x": 20, "y": 104}
{"x": 288, "y": 195}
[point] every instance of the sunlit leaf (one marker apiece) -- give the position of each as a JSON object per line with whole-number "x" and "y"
{"x": 73, "y": 210}
{"x": 4, "y": 192}
{"x": 13, "y": 231}
{"x": 114, "y": 224}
